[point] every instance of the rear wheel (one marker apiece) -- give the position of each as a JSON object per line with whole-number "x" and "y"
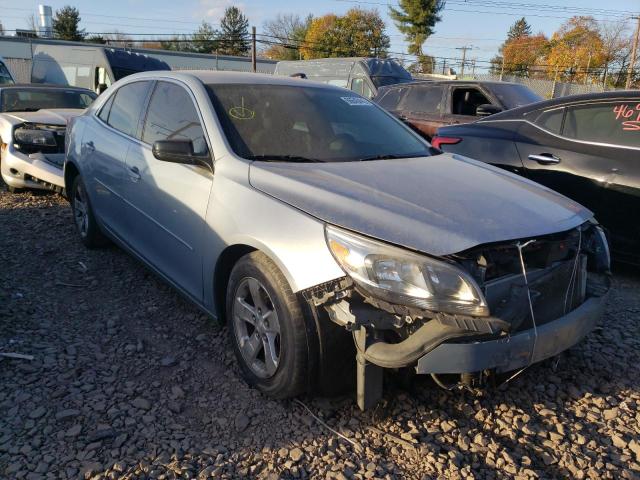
{"x": 14, "y": 189}
{"x": 84, "y": 217}
{"x": 266, "y": 327}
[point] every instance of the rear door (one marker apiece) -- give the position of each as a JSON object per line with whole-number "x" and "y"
{"x": 167, "y": 202}
{"x": 422, "y": 107}
{"x": 105, "y": 144}
{"x": 585, "y": 152}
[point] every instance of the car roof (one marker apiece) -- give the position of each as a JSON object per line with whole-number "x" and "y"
{"x": 225, "y": 77}
{"x": 569, "y": 99}
{"x": 43, "y": 86}
{"x": 427, "y": 81}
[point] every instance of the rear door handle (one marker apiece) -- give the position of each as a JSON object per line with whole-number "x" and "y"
{"x": 134, "y": 174}
{"x": 545, "y": 159}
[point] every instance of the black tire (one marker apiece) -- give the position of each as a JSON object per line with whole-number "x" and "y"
{"x": 89, "y": 232}
{"x": 14, "y": 189}
{"x": 290, "y": 377}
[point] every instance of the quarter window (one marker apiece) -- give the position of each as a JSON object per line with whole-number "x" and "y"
{"x": 616, "y": 123}
{"x": 106, "y": 108}
{"x": 551, "y": 120}
{"x": 126, "y": 107}
{"x": 173, "y": 116}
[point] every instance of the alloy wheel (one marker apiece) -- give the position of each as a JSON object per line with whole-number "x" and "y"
{"x": 256, "y": 328}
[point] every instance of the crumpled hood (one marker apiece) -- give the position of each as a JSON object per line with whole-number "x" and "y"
{"x": 50, "y": 117}
{"x": 437, "y": 205}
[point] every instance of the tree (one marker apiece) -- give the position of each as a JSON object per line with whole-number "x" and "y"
{"x": 416, "y": 19}
{"x": 574, "y": 48}
{"x": 234, "y": 32}
{"x": 205, "y": 39}
{"x": 65, "y": 24}
{"x": 616, "y": 48}
{"x": 285, "y": 33}
{"x": 177, "y": 43}
{"x": 519, "y": 29}
{"x": 359, "y": 33}
{"x": 96, "y": 39}
{"x": 118, "y": 39}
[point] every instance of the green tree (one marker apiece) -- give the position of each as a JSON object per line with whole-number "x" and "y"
{"x": 96, "y": 39}
{"x": 234, "y": 32}
{"x": 416, "y": 19}
{"x": 65, "y": 24}
{"x": 205, "y": 39}
{"x": 519, "y": 29}
{"x": 359, "y": 33}
{"x": 177, "y": 43}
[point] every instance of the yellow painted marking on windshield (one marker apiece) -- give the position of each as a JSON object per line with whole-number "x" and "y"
{"x": 242, "y": 112}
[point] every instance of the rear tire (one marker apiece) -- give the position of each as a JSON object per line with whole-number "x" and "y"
{"x": 14, "y": 189}
{"x": 83, "y": 216}
{"x": 266, "y": 327}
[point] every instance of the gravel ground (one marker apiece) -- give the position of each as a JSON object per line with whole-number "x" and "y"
{"x": 130, "y": 381}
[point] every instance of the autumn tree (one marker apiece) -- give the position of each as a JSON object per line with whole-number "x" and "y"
{"x": 66, "y": 23}
{"x": 285, "y": 33}
{"x": 520, "y": 52}
{"x": 416, "y": 19}
{"x": 574, "y": 48}
{"x": 359, "y": 33}
{"x": 234, "y": 32}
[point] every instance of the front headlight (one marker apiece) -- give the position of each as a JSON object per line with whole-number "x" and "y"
{"x": 28, "y": 136}
{"x": 403, "y": 277}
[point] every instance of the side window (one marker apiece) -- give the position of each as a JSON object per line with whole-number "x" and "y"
{"x": 465, "y": 101}
{"x": 357, "y": 85}
{"x": 173, "y": 116}
{"x": 106, "y": 108}
{"x": 366, "y": 91}
{"x": 616, "y": 123}
{"x": 551, "y": 120}
{"x": 126, "y": 107}
{"x": 423, "y": 99}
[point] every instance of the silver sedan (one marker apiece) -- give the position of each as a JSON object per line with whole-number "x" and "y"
{"x": 333, "y": 240}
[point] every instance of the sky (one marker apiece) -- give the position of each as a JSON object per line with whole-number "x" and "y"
{"x": 480, "y": 24}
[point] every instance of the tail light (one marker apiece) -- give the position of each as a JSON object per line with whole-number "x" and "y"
{"x": 437, "y": 141}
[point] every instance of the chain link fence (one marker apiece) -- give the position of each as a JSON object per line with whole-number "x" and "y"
{"x": 20, "y": 69}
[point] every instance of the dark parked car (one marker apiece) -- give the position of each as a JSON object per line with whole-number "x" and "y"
{"x": 585, "y": 146}
{"x": 427, "y": 105}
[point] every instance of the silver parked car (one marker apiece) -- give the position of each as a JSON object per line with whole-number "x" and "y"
{"x": 314, "y": 222}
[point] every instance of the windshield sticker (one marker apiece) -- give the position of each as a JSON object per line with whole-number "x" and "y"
{"x": 357, "y": 101}
{"x": 242, "y": 112}
{"x": 628, "y": 116}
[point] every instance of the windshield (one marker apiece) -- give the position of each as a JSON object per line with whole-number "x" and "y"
{"x": 298, "y": 123}
{"x": 32, "y": 99}
{"x": 513, "y": 96}
{"x": 384, "y": 81}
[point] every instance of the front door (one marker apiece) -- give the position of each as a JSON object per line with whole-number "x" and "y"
{"x": 168, "y": 201}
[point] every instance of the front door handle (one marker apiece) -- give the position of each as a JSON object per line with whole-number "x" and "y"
{"x": 134, "y": 174}
{"x": 545, "y": 159}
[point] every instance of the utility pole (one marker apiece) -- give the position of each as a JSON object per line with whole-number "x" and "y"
{"x": 253, "y": 49}
{"x": 586, "y": 74}
{"x": 634, "y": 52}
{"x": 464, "y": 57}
{"x": 502, "y": 68}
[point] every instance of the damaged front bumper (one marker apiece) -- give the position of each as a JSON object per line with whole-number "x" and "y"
{"x": 515, "y": 351}
{"x": 33, "y": 170}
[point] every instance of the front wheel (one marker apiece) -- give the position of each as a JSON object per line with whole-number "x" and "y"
{"x": 266, "y": 327}
{"x": 83, "y": 216}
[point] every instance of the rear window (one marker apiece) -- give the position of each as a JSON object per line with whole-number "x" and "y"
{"x": 423, "y": 99}
{"x": 616, "y": 123}
{"x": 512, "y": 96}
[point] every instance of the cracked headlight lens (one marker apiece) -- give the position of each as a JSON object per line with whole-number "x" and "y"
{"x": 400, "y": 276}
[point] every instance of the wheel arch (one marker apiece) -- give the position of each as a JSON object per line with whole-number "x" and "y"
{"x": 71, "y": 171}
{"x": 222, "y": 271}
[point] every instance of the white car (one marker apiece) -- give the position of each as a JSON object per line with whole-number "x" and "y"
{"x": 33, "y": 123}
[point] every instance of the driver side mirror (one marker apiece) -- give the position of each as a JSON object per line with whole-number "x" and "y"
{"x": 487, "y": 109}
{"x": 178, "y": 151}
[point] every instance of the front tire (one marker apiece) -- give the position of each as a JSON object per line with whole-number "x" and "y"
{"x": 83, "y": 216}
{"x": 267, "y": 328}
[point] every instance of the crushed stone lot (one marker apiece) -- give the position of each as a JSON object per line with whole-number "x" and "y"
{"x": 128, "y": 380}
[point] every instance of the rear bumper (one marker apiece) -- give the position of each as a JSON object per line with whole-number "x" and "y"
{"x": 515, "y": 351}
{"x": 32, "y": 171}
